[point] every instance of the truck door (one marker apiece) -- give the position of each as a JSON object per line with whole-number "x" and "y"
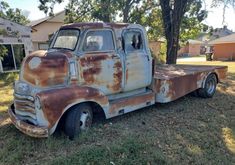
{"x": 138, "y": 61}
{"x": 99, "y": 65}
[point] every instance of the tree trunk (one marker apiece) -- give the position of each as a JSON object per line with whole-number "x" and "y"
{"x": 172, "y": 14}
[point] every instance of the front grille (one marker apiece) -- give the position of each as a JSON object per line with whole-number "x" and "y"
{"x": 24, "y": 108}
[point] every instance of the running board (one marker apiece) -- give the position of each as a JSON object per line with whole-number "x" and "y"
{"x": 131, "y": 103}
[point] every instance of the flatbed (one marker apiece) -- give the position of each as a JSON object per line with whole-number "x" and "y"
{"x": 174, "y": 81}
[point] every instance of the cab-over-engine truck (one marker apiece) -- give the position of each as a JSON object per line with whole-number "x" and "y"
{"x": 98, "y": 66}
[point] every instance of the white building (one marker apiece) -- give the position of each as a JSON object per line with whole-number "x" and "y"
{"x": 17, "y": 39}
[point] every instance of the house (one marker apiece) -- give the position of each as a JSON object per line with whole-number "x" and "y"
{"x": 192, "y": 48}
{"x": 43, "y": 29}
{"x": 214, "y": 34}
{"x": 224, "y": 47}
{"x": 16, "y": 39}
{"x": 200, "y": 44}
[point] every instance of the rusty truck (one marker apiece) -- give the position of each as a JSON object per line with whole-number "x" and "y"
{"x": 92, "y": 67}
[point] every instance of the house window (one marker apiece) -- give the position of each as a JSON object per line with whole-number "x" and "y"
{"x": 8, "y": 59}
{"x": 15, "y": 54}
{"x": 43, "y": 46}
{"x": 19, "y": 54}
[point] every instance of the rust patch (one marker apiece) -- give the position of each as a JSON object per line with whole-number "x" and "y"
{"x": 55, "y": 101}
{"x": 48, "y": 70}
{"x": 130, "y": 101}
{"x": 88, "y": 74}
{"x": 91, "y": 66}
{"x": 117, "y": 76}
{"x": 174, "y": 81}
{"x": 101, "y": 71}
{"x": 39, "y": 53}
{"x": 126, "y": 76}
{"x": 90, "y": 58}
{"x": 31, "y": 130}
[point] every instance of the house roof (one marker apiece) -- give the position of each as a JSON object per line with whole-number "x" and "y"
{"x": 227, "y": 39}
{"x": 12, "y": 22}
{"x": 194, "y": 41}
{"x": 55, "y": 18}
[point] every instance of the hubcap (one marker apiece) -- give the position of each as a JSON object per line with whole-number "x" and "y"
{"x": 84, "y": 120}
{"x": 210, "y": 86}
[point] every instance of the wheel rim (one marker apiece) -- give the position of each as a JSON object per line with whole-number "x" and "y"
{"x": 210, "y": 86}
{"x": 85, "y": 120}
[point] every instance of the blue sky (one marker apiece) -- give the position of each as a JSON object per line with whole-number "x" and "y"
{"x": 214, "y": 18}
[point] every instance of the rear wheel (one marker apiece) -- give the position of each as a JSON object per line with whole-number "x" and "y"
{"x": 79, "y": 118}
{"x": 209, "y": 88}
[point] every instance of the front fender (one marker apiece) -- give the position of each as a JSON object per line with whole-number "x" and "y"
{"x": 56, "y": 102}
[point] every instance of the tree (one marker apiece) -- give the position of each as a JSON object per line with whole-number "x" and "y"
{"x": 14, "y": 15}
{"x": 173, "y": 12}
{"x": 102, "y": 10}
{"x": 3, "y": 52}
{"x": 225, "y": 3}
{"x": 191, "y": 25}
{"x": 175, "y": 16}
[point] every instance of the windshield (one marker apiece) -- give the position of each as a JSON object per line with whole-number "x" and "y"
{"x": 66, "y": 39}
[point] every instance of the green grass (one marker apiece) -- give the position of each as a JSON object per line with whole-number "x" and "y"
{"x": 187, "y": 131}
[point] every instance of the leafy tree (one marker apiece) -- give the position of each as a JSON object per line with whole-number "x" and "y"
{"x": 3, "y": 51}
{"x": 225, "y": 4}
{"x": 175, "y": 17}
{"x": 11, "y": 14}
{"x": 148, "y": 14}
{"x": 103, "y": 10}
{"x": 173, "y": 12}
{"x": 192, "y": 24}
{"x": 48, "y": 5}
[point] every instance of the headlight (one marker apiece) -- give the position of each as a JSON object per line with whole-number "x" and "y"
{"x": 21, "y": 87}
{"x": 37, "y": 103}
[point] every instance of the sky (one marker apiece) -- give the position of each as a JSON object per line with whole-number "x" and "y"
{"x": 214, "y": 16}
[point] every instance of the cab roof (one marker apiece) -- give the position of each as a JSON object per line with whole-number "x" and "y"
{"x": 95, "y": 25}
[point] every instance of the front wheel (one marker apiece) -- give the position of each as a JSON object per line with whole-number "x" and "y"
{"x": 209, "y": 88}
{"x": 78, "y": 118}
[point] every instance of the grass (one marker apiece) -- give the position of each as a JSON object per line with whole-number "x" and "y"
{"x": 187, "y": 131}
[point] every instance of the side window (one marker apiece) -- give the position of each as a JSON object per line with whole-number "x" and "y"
{"x": 133, "y": 41}
{"x": 98, "y": 40}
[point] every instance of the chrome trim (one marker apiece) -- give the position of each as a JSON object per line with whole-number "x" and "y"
{"x": 24, "y": 97}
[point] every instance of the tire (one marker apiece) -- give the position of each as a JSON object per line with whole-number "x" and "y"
{"x": 79, "y": 118}
{"x": 194, "y": 93}
{"x": 209, "y": 88}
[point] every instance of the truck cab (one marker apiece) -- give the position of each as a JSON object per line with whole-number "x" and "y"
{"x": 93, "y": 67}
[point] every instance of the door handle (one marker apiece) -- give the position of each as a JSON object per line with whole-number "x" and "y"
{"x": 115, "y": 57}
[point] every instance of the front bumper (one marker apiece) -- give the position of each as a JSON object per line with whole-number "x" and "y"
{"x": 29, "y": 129}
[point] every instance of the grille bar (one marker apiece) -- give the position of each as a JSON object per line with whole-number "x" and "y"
{"x": 24, "y": 107}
